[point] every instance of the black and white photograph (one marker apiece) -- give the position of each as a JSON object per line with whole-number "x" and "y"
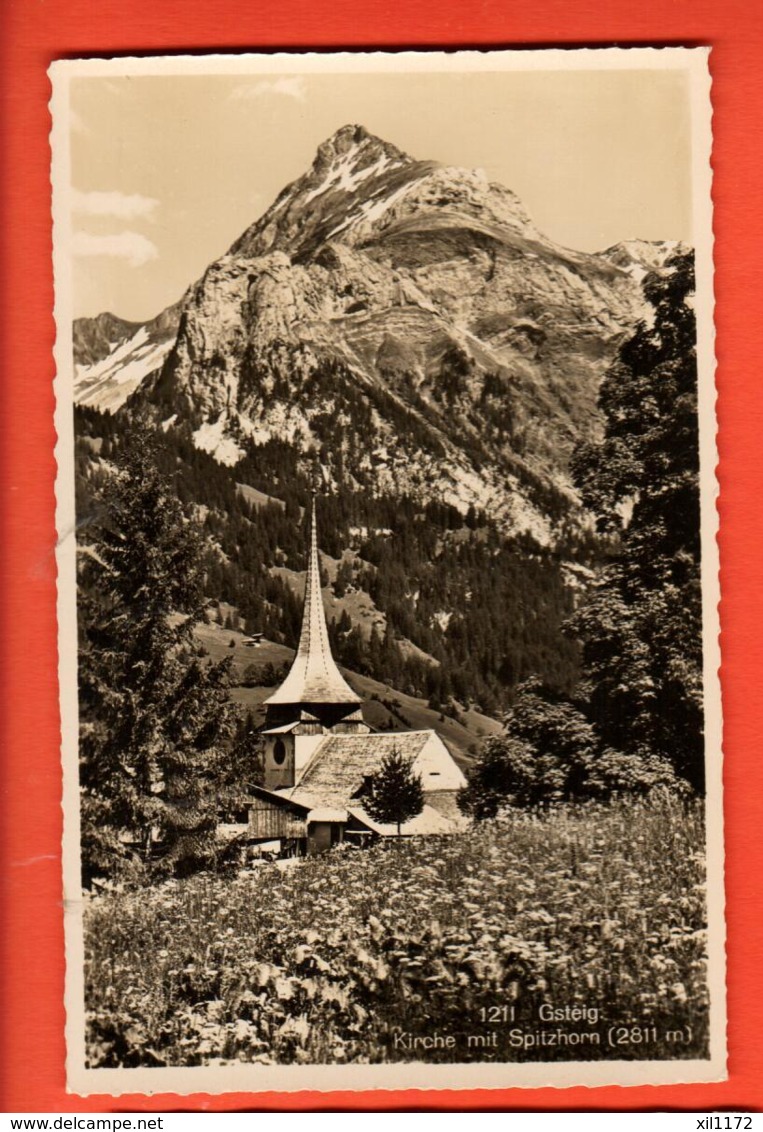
{"x": 388, "y": 580}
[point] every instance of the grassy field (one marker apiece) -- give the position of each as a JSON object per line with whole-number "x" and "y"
{"x": 574, "y": 935}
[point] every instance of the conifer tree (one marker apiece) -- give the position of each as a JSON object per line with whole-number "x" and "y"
{"x": 242, "y": 768}
{"x": 394, "y": 793}
{"x": 635, "y": 718}
{"x": 154, "y": 715}
{"x": 642, "y": 627}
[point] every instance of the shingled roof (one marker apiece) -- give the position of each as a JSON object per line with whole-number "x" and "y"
{"x": 332, "y": 779}
{"x": 314, "y": 677}
{"x": 342, "y": 762}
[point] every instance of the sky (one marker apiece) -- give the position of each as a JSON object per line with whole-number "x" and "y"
{"x": 168, "y": 170}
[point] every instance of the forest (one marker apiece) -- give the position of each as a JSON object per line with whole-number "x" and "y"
{"x": 485, "y": 607}
{"x": 598, "y": 685}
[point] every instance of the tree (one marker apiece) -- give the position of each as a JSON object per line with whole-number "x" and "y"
{"x": 635, "y": 718}
{"x": 394, "y": 793}
{"x": 550, "y": 752}
{"x": 497, "y": 778}
{"x": 543, "y": 756}
{"x": 242, "y": 768}
{"x": 155, "y": 717}
{"x": 641, "y": 629}
{"x": 344, "y": 577}
{"x": 252, "y": 676}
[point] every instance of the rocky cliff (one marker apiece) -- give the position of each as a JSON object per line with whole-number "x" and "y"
{"x": 402, "y": 322}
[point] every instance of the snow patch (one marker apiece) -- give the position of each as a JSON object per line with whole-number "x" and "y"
{"x": 107, "y": 384}
{"x": 373, "y": 209}
{"x": 339, "y": 228}
{"x": 343, "y": 174}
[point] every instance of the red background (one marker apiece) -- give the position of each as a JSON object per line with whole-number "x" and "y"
{"x": 32, "y": 33}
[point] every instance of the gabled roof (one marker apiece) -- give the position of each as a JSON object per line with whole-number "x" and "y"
{"x": 444, "y": 801}
{"x": 314, "y": 677}
{"x": 341, "y": 763}
{"x": 334, "y": 776}
{"x": 283, "y": 798}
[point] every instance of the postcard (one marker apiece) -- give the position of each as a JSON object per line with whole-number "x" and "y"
{"x": 388, "y": 580}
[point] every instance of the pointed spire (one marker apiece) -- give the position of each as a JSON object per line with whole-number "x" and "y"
{"x": 314, "y": 677}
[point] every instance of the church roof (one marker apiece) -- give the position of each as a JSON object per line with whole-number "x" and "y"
{"x": 332, "y": 779}
{"x": 342, "y": 762}
{"x": 314, "y": 677}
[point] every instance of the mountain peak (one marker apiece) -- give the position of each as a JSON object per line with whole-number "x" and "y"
{"x": 355, "y": 145}
{"x": 639, "y": 257}
{"x": 347, "y": 136}
{"x": 406, "y": 318}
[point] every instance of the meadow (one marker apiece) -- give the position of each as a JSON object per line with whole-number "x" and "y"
{"x": 586, "y": 922}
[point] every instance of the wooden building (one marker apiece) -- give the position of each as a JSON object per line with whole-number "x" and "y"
{"x": 319, "y": 752}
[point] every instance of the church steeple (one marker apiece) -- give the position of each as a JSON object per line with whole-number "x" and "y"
{"x": 314, "y": 678}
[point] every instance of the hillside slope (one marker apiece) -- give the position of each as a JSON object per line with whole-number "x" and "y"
{"x": 384, "y": 707}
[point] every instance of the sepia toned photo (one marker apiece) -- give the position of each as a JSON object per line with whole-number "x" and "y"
{"x": 387, "y": 571}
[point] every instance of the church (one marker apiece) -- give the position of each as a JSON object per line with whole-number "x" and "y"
{"x": 319, "y": 752}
